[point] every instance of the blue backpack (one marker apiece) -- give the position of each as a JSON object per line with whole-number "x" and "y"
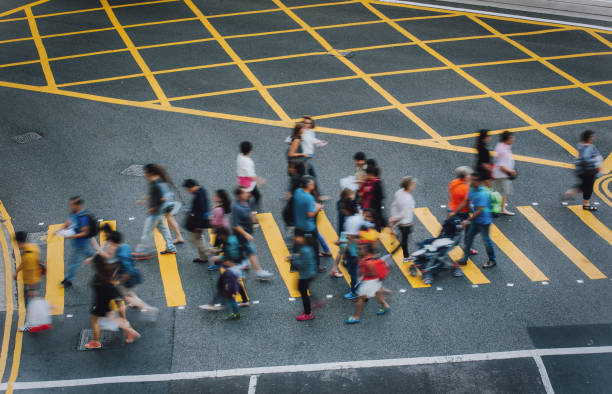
{"x": 126, "y": 266}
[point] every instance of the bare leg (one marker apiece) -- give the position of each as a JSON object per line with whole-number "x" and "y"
{"x": 359, "y": 307}
{"x": 255, "y": 262}
{"x": 175, "y": 227}
{"x": 135, "y": 301}
{"x": 130, "y": 334}
{"x": 381, "y": 299}
{"x": 95, "y": 327}
{"x": 585, "y": 203}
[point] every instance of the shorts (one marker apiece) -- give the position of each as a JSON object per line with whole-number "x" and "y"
{"x": 100, "y": 310}
{"x": 503, "y": 185}
{"x": 369, "y": 288}
{"x": 249, "y": 248}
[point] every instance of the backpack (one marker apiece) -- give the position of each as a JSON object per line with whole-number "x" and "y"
{"x": 288, "y": 213}
{"x": 495, "y": 199}
{"x": 94, "y": 226}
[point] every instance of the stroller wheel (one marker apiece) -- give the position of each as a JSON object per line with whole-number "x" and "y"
{"x": 427, "y": 278}
{"x": 413, "y": 271}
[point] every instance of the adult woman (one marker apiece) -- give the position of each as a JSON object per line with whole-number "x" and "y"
{"x": 295, "y": 152}
{"x": 402, "y": 212}
{"x": 483, "y": 158}
{"x": 588, "y": 164}
{"x": 503, "y": 172}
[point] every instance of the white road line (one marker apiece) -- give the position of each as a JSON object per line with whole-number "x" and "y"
{"x": 544, "y": 375}
{"x": 499, "y": 14}
{"x": 397, "y": 362}
{"x": 252, "y": 384}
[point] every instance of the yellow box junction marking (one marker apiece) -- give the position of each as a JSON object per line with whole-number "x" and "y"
{"x": 515, "y": 254}
{"x": 173, "y": 288}
{"x": 561, "y": 243}
{"x": 8, "y": 287}
{"x": 595, "y": 224}
{"x": 329, "y": 234}
{"x": 54, "y": 292}
{"x": 279, "y": 251}
{"x": 434, "y": 227}
{"x": 42, "y": 52}
{"x": 390, "y": 243}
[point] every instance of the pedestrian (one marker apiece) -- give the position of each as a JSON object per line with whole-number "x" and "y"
{"x": 359, "y": 159}
{"x": 371, "y": 194}
{"x": 347, "y": 197}
{"x": 503, "y": 171}
{"x": 245, "y": 173}
{"x": 303, "y": 259}
{"x": 78, "y": 228}
{"x": 155, "y": 218}
{"x": 295, "y": 152}
{"x": 305, "y": 210}
{"x": 458, "y": 190}
{"x": 30, "y": 267}
{"x": 588, "y": 164}
{"x": 107, "y": 301}
{"x": 373, "y": 271}
{"x": 402, "y": 214}
{"x": 242, "y": 222}
{"x": 483, "y": 157}
{"x": 223, "y": 207}
{"x": 171, "y": 207}
{"x": 198, "y": 219}
{"x": 227, "y": 288}
{"x": 352, "y": 226}
{"x": 479, "y": 221}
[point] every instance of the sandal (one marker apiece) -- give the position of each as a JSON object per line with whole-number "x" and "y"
{"x": 335, "y": 274}
{"x": 589, "y": 208}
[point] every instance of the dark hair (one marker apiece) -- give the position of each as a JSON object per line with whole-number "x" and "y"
{"x": 106, "y": 228}
{"x": 150, "y": 169}
{"x": 226, "y": 203}
{"x": 475, "y": 176}
{"x": 308, "y": 117}
{"x": 369, "y": 247}
{"x": 156, "y": 169}
{"x": 372, "y": 170}
{"x": 350, "y": 205}
{"x": 295, "y": 134}
{"x": 223, "y": 231}
{"x": 238, "y": 191}
{"x": 306, "y": 180}
{"x": 586, "y": 135}
{"x": 21, "y": 236}
{"x": 359, "y": 156}
{"x": 245, "y": 147}
{"x": 371, "y": 163}
{"x": 76, "y": 200}
{"x": 482, "y": 134}
{"x": 115, "y": 237}
{"x": 189, "y": 183}
{"x": 505, "y": 136}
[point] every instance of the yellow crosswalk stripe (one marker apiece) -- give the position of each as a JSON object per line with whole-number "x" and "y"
{"x": 54, "y": 292}
{"x": 433, "y": 226}
{"x": 279, "y": 251}
{"x": 595, "y": 224}
{"x": 561, "y": 243}
{"x": 113, "y": 226}
{"x": 390, "y": 244}
{"x": 329, "y": 234}
{"x": 515, "y": 254}
{"x": 173, "y": 288}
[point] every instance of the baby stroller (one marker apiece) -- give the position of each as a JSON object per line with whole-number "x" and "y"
{"x": 432, "y": 255}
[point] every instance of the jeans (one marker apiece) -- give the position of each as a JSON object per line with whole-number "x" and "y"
{"x": 351, "y": 267}
{"x": 311, "y": 240}
{"x": 322, "y": 242}
{"x": 79, "y": 254}
{"x": 405, "y": 231}
{"x": 472, "y": 231}
{"x": 303, "y": 285}
{"x": 152, "y": 222}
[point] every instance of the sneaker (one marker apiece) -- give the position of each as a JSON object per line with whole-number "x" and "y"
{"x": 382, "y": 311}
{"x": 264, "y": 275}
{"x": 150, "y": 313}
{"x": 24, "y": 328}
{"x": 352, "y": 320}
{"x": 199, "y": 260}
{"x": 462, "y": 261}
{"x": 350, "y": 296}
{"x": 409, "y": 259}
{"x": 304, "y": 317}
{"x": 457, "y": 273}
{"x": 93, "y": 345}
{"x": 507, "y": 213}
{"x": 168, "y": 251}
{"x": 66, "y": 283}
{"x": 209, "y": 307}
{"x": 489, "y": 264}
{"x": 212, "y": 267}
{"x": 244, "y": 304}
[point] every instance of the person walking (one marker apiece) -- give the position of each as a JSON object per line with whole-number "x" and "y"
{"x": 171, "y": 207}
{"x": 588, "y": 164}
{"x": 503, "y": 171}
{"x": 304, "y": 261}
{"x": 223, "y": 207}
{"x": 245, "y": 173}
{"x": 458, "y": 190}
{"x": 295, "y": 153}
{"x": 371, "y": 195}
{"x": 77, "y": 228}
{"x": 479, "y": 221}
{"x": 353, "y": 224}
{"x": 198, "y": 219}
{"x": 30, "y": 267}
{"x": 305, "y": 210}
{"x": 483, "y": 157}
{"x": 402, "y": 214}
{"x": 155, "y": 218}
{"x": 242, "y": 222}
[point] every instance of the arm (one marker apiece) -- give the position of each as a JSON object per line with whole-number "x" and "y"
{"x": 17, "y": 271}
{"x": 472, "y": 217}
{"x": 463, "y": 204}
{"x": 243, "y": 232}
{"x": 316, "y": 210}
{"x": 293, "y": 149}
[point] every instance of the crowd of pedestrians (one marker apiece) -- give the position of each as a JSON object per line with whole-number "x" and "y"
{"x": 476, "y": 196}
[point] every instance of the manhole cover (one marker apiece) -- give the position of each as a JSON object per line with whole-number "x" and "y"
{"x": 26, "y": 138}
{"x": 108, "y": 339}
{"x": 37, "y": 238}
{"x": 134, "y": 170}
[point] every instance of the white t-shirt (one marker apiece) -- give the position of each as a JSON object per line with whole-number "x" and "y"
{"x": 402, "y": 207}
{"x": 503, "y": 157}
{"x": 245, "y": 166}
{"x": 309, "y": 141}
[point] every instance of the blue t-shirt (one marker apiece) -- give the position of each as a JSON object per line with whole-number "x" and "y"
{"x": 302, "y": 204}
{"x": 241, "y": 216}
{"x": 480, "y": 198}
{"x": 79, "y": 220}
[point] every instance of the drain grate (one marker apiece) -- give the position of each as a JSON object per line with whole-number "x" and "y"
{"x": 26, "y": 138}
{"x": 134, "y": 170}
{"x": 108, "y": 339}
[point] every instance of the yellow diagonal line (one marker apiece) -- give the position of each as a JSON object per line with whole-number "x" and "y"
{"x": 23, "y": 7}
{"x": 243, "y": 67}
{"x": 42, "y": 53}
{"x": 54, "y": 293}
{"x": 595, "y": 224}
{"x": 135, "y": 54}
{"x": 8, "y": 287}
{"x": 367, "y": 79}
{"x": 511, "y": 107}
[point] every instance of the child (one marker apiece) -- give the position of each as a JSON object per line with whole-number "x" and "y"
{"x": 223, "y": 206}
{"x": 372, "y": 272}
{"x": 107, "y": 298}
{"x": 306, "y": 265}
{"x": 227, "y": 287}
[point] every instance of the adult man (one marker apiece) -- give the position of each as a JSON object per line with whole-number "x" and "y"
{"x": 305, "y": 211}
{"x": 242, "y": 224}
{"x": 77, "y": 229}
{"x": 197, "y": 220}
{"x": 479, "y": 221}
{"x": 154, "y": 219}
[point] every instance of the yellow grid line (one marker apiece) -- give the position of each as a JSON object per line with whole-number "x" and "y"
{"x": 134, "y": 52}
{"x": 243, "y": 67}
{"x": 42, "y": 53}
{"x": 511, "y": 107}
{"x": 23, "y": 7}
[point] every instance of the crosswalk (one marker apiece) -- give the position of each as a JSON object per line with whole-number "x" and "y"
{"x": 279, "y": 250}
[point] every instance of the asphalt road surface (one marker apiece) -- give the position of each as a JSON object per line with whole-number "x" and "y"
{"x": 90, "y": 88}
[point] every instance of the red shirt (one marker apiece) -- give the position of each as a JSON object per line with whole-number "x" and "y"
{"x": 458, "y": 190}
